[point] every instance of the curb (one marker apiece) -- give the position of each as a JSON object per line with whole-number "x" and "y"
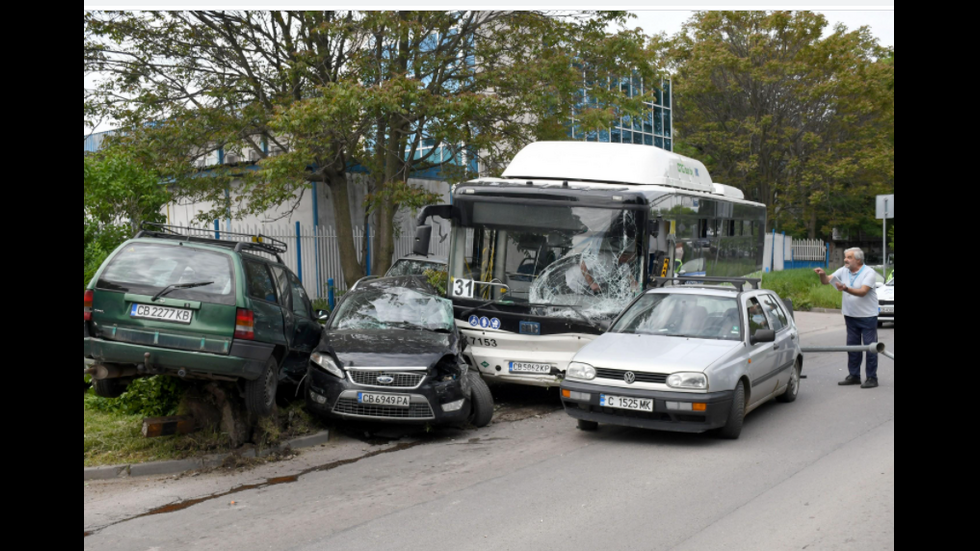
{"x": 825, "y": 310}
{"x": 105, "y": 472}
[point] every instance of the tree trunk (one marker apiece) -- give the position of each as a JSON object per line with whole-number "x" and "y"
{"x": 340, "y": 200}
{"x": 385, "y": 238}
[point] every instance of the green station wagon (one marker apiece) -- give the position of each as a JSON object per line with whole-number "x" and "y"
{"x": 198, "y": 308}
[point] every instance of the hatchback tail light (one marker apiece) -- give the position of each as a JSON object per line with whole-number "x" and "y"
{"x": 244, "y": 324}
{"x": 89, "y": 295}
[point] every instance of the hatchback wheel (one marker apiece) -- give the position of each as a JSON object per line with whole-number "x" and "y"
{"x": 793, "y": 386}
{"x": 260, "y": 394}
{"x": 733, "y": 427}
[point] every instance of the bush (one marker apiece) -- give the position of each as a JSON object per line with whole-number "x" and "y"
{"x": 150, "y": 397}
{"x": 438, "y": 279}
{"x": 98, "y": 244}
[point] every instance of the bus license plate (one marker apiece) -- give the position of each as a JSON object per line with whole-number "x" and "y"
{"x": 394, "y": 400}
{"x": 528, "y": 367}
{"x": 161, "y": 313}
{"x": 623, "y": 402}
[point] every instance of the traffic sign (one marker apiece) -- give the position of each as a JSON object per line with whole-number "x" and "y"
{"x": 885, "y": 206}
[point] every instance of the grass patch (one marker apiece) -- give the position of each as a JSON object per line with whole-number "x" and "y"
{"x": 803, "y": 287}
{"x": 114, "y": 437}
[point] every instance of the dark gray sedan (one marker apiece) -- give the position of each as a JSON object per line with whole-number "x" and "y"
{"x": 391, "y": 352}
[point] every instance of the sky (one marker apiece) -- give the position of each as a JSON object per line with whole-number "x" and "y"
{"x": 881, "y": 21}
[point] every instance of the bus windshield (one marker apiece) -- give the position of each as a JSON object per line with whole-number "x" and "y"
{"x": 548, "y": 256}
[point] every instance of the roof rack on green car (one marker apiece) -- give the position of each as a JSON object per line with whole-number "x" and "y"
{"x": 258, "y": 242}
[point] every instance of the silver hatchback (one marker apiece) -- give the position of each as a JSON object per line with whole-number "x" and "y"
{"x": 687, "y": 358}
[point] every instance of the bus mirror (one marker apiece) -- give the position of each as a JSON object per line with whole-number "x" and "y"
{"x": 653, "y": 228}
{"x": 423, "y": 234}
{"x": 555, "y": 240}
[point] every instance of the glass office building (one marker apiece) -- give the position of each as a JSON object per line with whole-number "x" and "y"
{"x": 653, "y": 128}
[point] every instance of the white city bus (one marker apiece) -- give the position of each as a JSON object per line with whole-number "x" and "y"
{"x": 543, "y": 258}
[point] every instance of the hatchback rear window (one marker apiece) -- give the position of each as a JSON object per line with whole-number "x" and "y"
{"x": 148, "y": 268}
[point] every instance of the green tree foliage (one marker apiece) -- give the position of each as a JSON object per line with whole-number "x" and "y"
{"x": 801, "y": 123}
{"x": 120, "y": 194}
{"x": 323, "y": 90}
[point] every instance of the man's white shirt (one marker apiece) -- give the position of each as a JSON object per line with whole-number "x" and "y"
{"x": 859, "y": 307}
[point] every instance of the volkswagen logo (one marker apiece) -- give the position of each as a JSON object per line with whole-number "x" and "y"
{"x": 386, "y": 379}
{"x": 629, "y": 377}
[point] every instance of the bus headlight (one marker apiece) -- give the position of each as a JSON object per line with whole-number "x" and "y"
{"x": 578, "y": 370}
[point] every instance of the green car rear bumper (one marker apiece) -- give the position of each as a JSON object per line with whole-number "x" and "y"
{"x": 246, "y": 359}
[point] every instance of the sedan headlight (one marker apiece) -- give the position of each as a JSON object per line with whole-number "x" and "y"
{"x": 696, "y": 381}
{"x": 578, "y": 370}
{"x": 327, "y": 363}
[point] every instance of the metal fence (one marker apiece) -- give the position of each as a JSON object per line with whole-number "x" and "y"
{"x": 314, "y": 251}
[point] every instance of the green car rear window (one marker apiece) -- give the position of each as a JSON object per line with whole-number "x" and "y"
{"x": 147, "y": 268}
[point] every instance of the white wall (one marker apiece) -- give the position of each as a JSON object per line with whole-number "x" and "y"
{"x": 182, "y": 213}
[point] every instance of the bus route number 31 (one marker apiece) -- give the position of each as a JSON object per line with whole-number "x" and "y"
{"x": 463, "y": 288}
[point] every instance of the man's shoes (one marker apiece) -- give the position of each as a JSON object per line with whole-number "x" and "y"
{"x": 850, "y": 380}
{"x": 870, "y": 383}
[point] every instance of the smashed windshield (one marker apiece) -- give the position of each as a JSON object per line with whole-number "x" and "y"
{"x": 581, "y": 257}
{"x": 395, "y": 308}
{"x": 682, "y": 315}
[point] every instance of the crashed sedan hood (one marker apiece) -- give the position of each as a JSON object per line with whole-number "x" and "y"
{"x": 387, "y": 348}
{"x": 653, "y": 353}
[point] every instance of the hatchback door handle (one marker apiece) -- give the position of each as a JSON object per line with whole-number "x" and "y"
{"x": 775, "y": 346}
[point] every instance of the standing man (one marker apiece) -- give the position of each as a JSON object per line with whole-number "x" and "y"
{"x": 860, "y": 308}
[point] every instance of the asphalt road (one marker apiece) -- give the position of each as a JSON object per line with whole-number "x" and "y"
{"x": 818, "y": 473}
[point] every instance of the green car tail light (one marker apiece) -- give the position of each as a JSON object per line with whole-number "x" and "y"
{"x": 89, "y": 295}
{"x": 244, "y": 324}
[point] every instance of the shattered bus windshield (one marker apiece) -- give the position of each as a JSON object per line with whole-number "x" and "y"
{"x": 582, "y": 257}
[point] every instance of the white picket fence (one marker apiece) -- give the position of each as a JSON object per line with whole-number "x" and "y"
{"x": 313, "y": 252}
{"x": 782, "y": 252}
{"x": 809, "y": 249}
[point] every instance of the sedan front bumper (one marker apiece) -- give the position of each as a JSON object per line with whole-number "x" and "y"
{"x": 677, "y": 419}
{"x": 337, "y": 398}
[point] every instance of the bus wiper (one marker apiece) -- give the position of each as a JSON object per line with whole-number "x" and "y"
{"x": 573, "y": 309}
{"x": 175, "y": 286}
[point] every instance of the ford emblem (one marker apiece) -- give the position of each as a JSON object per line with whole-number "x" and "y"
{"x": 386, "y": 379}
{"x": 630, "y": 377}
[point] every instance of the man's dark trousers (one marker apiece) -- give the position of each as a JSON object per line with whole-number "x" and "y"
{"x": 859, "y": 329}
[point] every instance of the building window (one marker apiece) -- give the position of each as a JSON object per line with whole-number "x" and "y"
{"x": 652, "y": 128}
